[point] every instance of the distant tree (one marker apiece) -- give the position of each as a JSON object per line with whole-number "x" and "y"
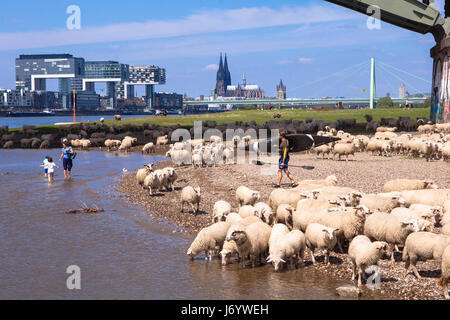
{"x": 385, "y": 102}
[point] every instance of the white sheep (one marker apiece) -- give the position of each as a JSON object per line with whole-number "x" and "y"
{"x": 408, "y": 184}
{"x": 228, "y": 250}
{"x": 246, "y": 196}
{"x": 432, "y": 197}
{"x": 197, "y": 159}
{"x": 247, "y": 211}
{"x": 143, "y": 172}
{"x": 381, "y": 226}
{"x": 290, "y": 197}
{"x": 364, "y": 253}
{"x": 127, "y": 143}
{"x": 152, "y": 182}
{"x": 284, "y": 215}
{"x": 179, "y": 157}
{"x": 233, "y": 218}
{"x": 148, "y": 148}
{"x": 109, "y": 143}
{"x": 309, "y": 211}
{"x": 350, "y": 196}
{"x": 445, "y": 272}
{"x": 423, "y": 246}
{"x": 209, "y": 239}
{"x": 278, "y": 230}
{"x": 320, "y": 237}
{"x": 171, "y": 177}
{"x": 345, "y": 149}
{"x": 250, "y": 220}
{"x": 324, "y": 150}
{"x": 221, "y": 210}
{"x": 264, "y": 212}
{"x": 407, "y": 214}
{"x": 290, "y": 246}
{"x": 252, "y": 241}
{"x": 380, "y": 203}
{"x": 162, "y": 140}
{"x": 316, "y": 184}
{"x": 191, "y": 196}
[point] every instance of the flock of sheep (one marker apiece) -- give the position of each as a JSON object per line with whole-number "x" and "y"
{"x": 319, "y": 215}
{"x": 433, "y": 143}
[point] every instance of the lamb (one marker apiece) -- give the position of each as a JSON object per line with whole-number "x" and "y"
{"x": 152, "y": 182}
{"x": 408, "y": 184}
{"x": 252, "y": 241}
{"x": 191, "y": 196}
{"x": 209, "y": 239}
{"x": 291, "y": 197}
{"x": 289, "y": 246}
{"x": 246, "y": 196}
{"x": 148, "y": 148}
{"x": 423, "y": 246}
{"x": 171, "y": 177}
{"x": 228, "y": 250}
{"x": 221, "y": 210}
{"x": 264, "y": 212}
{"x": 381, "y": 226}
{"x": 320, "y": 237}
{"x": 197, "y": 159}
{"x": 247, "y": 211}
{"x": 163, "y": 140}
{"x": 285, "y": 215}
{"x": 233, "y": 218}
{"x": 380, "y": 203}
{"x": 432, "y": 197}
{"x": 228, "y": 155}
{"x": 324, "y": 150}
{"x": 445, "y": 269}
{"x": 143, "y": 172}
{"x": 345, "y": 149}
{"x": 365, "y": 253}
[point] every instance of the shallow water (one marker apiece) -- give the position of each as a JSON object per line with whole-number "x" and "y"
{"x": 123, "y": 253}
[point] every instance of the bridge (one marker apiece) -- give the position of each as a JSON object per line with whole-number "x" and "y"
{"x": 421, "y": 17}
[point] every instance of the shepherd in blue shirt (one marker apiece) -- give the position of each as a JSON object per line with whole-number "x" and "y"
{"x": 66, "y": 156}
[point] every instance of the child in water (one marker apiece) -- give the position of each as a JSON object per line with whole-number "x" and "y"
{"x": 51, "y": 169}
{"x": 44, "y": 165}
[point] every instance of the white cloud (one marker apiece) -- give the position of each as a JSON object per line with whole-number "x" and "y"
{"x": 284, "y": 62}
{"x": 304, "y": 60}
{"x": 198, "y": 23}
{"x": 211, "y": 67}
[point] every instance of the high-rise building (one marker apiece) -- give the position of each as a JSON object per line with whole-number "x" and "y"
{"x": 402, "y": 91}
{"x": 281, "y": 91}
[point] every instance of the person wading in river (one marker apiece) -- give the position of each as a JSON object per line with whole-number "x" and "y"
{"x": 66, "y": 156}
{"x": 284, "y": 160}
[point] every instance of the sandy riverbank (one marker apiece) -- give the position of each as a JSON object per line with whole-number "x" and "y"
{"x": 367, "y": 174}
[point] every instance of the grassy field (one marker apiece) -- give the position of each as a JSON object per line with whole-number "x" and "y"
{"x": 263, "y": 116}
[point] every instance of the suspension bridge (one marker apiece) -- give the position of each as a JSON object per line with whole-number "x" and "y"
{"x": 323, "y": 84}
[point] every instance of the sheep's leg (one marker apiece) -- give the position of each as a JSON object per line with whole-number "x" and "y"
{"x": 327, "y": 257}
{"x": 353, "y": 270}
{"x": 392, "y": 255}
{"x": 182, "y": 203}
{"x": 339, "y": 243}
{"x": 396, "y": 248}
{"x": 301, "y": 258}
{"x": 193, "y": 208}
{"x": 312, "y": 256}
{"x": 360, "y": 271}
{"x": 445, "y": 287}
{"x": 413, "y": 267}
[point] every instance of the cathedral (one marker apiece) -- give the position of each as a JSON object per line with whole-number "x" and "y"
{"x": 224, "y": 88}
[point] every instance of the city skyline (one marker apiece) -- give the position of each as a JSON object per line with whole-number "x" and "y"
{"x": 190, "y": 55}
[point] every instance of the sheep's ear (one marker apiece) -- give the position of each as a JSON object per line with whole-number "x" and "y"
{"x": 289, "y": 210}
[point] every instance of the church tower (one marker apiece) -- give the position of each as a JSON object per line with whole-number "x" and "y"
{"x": 220, "y": 79}
{"x": 227, "y": 74}
{"x": 281, "y": 91}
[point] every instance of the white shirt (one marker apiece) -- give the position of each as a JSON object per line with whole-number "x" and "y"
{"x": 45, "y": 163}
{"x": 51, "y": 167}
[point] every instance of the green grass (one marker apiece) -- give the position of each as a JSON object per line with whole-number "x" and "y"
{"x": 263, "y": 116}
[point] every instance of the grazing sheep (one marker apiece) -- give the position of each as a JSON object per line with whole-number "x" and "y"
{"x": 285, "y": 215}
{"x": 233, "y": 218}
{"x": 248, "y": 211}
{"x": 320, "y": 237}
{"x": 109, "y": 143}
{"x": 8, "y": 144}
{"x": 408, "y": 184}
{"x": 102, "y": 120}
{"x": 152, "y": 182}
{"x": 287, "y": 247}
{"x": 264, "y": 212}
{"x": 117, "y": 117}
{"x": 380, "y": 203}
{"x": 45, "y": 144}
{"x": 228, "y": 250}
{"x": 345, "y": 149}
{"x": 445, "y": 268}
{"x": 290, "y": 197}
{"x": 324, "y": 150}
{"x": 143, "y": 172}
{"x": 246, "y": 196}
{"x": 148, "y": 148}
{"x": 252, "y": 241}
{"x": 423, "y": 246}
{"x": 278, "y": 230}
{"x": 191, "y": 196}
{"x": 381, "y": 226}
{"x": 364, "y": 253}
{"x": 221, "y": 210}
{"x": 209, "y": 239}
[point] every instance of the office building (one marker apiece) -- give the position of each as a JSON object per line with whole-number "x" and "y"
{"x": 169, "y": 101}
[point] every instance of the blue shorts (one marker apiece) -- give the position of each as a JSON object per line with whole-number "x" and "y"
{"x": 286, "y": 161}
{"x": 67, "y": 164}
{"x": 46, "y": 170}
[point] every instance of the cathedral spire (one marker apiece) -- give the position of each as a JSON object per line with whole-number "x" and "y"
{"x": 227, "y": 72}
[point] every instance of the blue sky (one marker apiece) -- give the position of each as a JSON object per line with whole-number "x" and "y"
{"x": 297, "y": 41}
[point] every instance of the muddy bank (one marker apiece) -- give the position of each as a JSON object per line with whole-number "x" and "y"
{"x": 367, "y": 174}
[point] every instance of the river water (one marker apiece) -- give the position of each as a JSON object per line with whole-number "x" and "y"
{"x": 123, "y": 253}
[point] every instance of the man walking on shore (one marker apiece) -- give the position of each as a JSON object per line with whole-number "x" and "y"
{"x": 284, "y": 160}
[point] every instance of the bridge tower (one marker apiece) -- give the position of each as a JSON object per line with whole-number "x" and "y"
{"x": 373, "y": 88}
